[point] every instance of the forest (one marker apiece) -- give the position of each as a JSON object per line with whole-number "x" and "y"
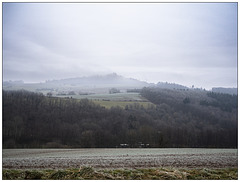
{"x": 178, "y": 118}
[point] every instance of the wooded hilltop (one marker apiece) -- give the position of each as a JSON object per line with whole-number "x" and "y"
{"x": 178, "y": 118}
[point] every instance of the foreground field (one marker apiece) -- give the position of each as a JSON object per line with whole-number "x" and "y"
{"x": 121, "y": 163}
{"x": 124, "y": 174}
{"x": 118, "y": 158}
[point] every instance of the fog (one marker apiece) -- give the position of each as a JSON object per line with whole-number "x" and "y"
{"x": 185, "y": 43}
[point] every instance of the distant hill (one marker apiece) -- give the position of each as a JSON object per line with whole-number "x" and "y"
{"x": 99, "y": 81}
{"x": 113, "y": 80}
{"x": 98, "y": 84}
{"x": 9, "y": 83}
{"x": 170, "y": 85}
{"x": 225, "y": 90}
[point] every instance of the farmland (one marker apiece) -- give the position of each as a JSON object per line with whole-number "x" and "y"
{"x": 113, "y": 100}
{"x": 118, "y": 158}
{"x": 123, "y": 104}
{"x": 121, "y": 163}
{"x": 110, "y": 97}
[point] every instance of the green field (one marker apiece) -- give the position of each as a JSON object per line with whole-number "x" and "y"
{"x": 106, "y": 100}
{"x": 123, "y": 104}
{"x": 113, "y": 100}
{"x": 108, "y": 97}
{"x": 88, "y": 173}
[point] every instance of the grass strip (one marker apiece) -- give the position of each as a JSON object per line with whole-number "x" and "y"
{"x": 89, "y": 173}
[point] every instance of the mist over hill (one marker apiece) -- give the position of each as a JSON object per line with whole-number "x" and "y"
{"x": 110, "y": 110}
{"x": 99, "y": 84}
{"x": 109, "y": 80}
{"x": 225, "y": 90}
{"x": 170, "y": 85}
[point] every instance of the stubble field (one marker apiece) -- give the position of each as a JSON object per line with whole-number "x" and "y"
{"x": 118, "y": 158}
{"x": 121, "y": 164}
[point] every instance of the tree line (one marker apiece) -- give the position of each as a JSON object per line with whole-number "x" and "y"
{"x": 32, "y": 120}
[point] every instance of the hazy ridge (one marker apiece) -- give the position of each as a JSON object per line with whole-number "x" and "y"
{"x": 100, "y": 82}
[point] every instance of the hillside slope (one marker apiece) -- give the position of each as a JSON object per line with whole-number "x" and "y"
{"x": 179, "y": 119}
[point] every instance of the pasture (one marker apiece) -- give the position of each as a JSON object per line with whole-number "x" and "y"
{"x": 123, "y": 104}
{"x": 108, "y": 97}
{"x": 113, "y": 100}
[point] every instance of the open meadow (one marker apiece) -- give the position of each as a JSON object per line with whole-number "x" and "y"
{"x": 113, "y": 100}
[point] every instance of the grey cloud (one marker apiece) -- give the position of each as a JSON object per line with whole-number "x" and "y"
{"x": 164, "y": 39}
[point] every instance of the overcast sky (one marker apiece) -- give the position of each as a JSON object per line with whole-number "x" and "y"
{"x": 185, "y": 43}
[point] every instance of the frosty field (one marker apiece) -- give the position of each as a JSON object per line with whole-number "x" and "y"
{"x": 118, "y": 158}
